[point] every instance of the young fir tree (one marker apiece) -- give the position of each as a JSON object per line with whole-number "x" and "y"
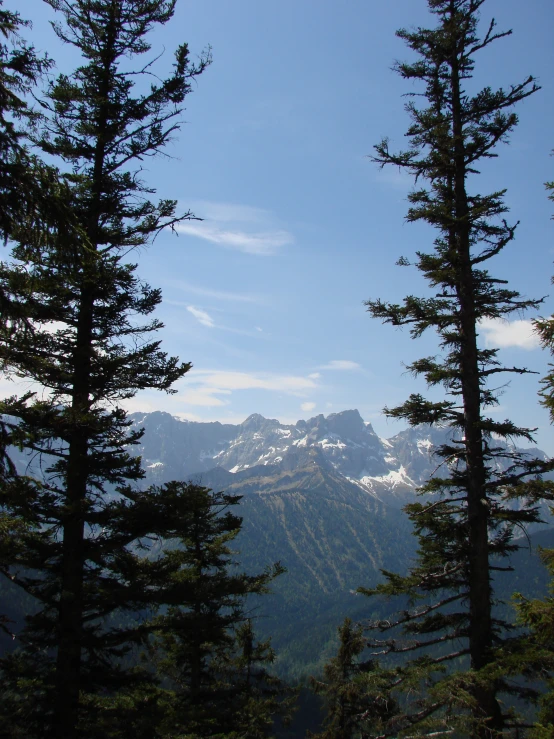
{"x": 77, "y": 551}
{"x": 259, "y": 696}
{"x": 485, "y": 487}
{"x": 351, "y": 711}
{"x": 204, "y": 646}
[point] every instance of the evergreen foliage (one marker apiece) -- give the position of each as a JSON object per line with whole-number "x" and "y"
{"x": 204, "y": 644}
{"x": 538, "y": 616}
{"x": 21, "y": 175}
{"x": 260, "y": 695}
{"x": 73, "y": 542}
{"x": 30, "y": 197}
{"x": 485, "y": 488}
{"x": 350, "y": 709}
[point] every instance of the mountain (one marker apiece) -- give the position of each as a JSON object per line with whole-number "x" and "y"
{"x": 322, "y": 496}
{"x": 388, "y": 469}
{"x": 174, "y": 449}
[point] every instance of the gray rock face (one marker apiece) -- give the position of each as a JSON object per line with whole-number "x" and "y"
{"x": 387, "y": 469}
{"x": 173, "y": 449}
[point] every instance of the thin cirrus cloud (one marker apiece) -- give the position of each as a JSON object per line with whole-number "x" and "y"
{"x": 238, "y": 227}
{"x": 212, "y": 388}
{"x": 500, "y": 333}
{"x": 201, "y": 316}
{"x": 204, "y": 318}
{"x": 307, "y": 406}
{"x": 340, "y": 364}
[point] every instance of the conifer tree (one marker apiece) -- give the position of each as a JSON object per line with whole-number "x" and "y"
{"x": 77, "y": 553}
{"x": 485, "y": 488}
{"x": 205, "y": 646}
{"x": 351, "y": 711}
{"x": 29, "y": 190}
{"x": 259, "y": 696}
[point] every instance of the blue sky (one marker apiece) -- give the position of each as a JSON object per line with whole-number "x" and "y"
{"x": 265, "y": 295}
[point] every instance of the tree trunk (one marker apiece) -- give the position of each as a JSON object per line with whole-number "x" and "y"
{"x": 480, "y": 617}
{"x": 68, "y": 664}
{"x": 70, "y": 620}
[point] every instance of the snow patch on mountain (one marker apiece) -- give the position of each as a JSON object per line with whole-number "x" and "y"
{"x": 392, "y": 478}
{"x": 424, "y": 446}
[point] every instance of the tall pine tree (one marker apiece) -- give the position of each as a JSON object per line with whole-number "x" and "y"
{"x": 484, "y": 488}
{"x": 80, "y": 296}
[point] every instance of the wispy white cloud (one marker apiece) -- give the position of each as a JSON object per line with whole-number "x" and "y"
{"x": 500, "y": 333}
{"x": 223, "y": 381}
{"x": 259, "y": 243}
{"x": 201, "y": 316}
{"x": 315, "y": 375}
{"x": 206, "y": 319}
{"x": 240, "y": 227}
{"x": 341, "y": 364}
{"x": 203, "y": 396}
{"x": 307, "y": 406}
{"x": 214, "y": 388}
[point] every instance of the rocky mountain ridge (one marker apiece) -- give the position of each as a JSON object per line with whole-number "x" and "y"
{"x": 388, "y": 469}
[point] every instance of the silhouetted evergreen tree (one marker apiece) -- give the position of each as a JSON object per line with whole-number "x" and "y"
{"x": 351, "y": 711}
{"x": 205, "y": 647}
{"x": 77, "y": 549}
{"x": 260, "y": 697}
{"x": 484, "y": 488}
{"x": 20, "y": 173}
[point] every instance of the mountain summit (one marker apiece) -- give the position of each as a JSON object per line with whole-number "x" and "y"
{"x": 174, "y": 449}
